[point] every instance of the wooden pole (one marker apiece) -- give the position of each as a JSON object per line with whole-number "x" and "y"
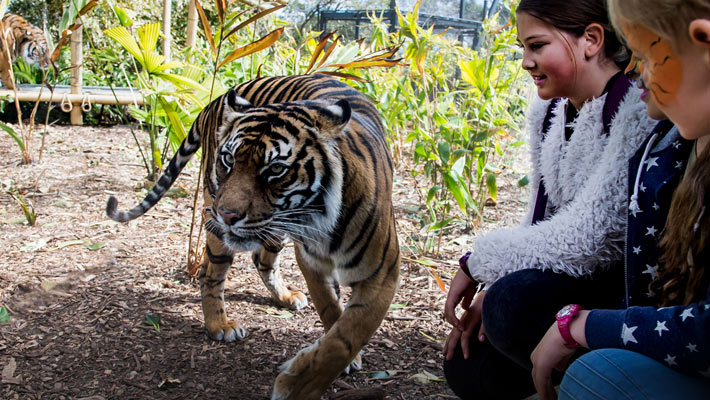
{"x": 191, "y": 24}
{"x": 76, "y": 80}
{"x": 75, "y": 99}
{"x": 167, "y": 9}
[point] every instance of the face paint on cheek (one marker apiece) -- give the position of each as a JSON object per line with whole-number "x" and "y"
{"x": 665, "y": 71}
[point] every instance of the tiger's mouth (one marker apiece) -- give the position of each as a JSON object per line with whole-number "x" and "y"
{"x": 242, "y": 239}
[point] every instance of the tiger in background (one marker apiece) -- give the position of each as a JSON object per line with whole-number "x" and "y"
{"x": 25, "y": 40}
{"x": 301, "y": 158}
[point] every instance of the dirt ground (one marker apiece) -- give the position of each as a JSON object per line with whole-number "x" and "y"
{"x": 79, "y": 289}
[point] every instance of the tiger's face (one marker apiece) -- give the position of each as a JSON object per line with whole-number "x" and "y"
{"x": 276, "y": 172}
{"x": 35, "y": 53}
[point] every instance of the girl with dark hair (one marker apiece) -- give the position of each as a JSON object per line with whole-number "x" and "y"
{"x": 659, "y": 350}
{"x": 586, "y": 123}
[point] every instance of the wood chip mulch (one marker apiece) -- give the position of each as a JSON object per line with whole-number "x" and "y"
{"x": 79, "y": 289}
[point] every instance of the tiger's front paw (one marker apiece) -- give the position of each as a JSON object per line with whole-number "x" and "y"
{"x": 292, "y": 299}
{"x": 354, "y": 366}
{"x": 227, "y": 331}
{"x": 299, "y": 382}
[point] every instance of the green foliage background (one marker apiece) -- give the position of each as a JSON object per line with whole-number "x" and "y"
{"x": 452, "y": 114}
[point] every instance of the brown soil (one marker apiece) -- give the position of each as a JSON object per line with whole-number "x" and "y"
{"x": 79, "y": 287}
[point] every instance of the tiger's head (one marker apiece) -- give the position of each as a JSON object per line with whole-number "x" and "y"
{"x": 35, "y": 53}
{"x": 276, "y": 171}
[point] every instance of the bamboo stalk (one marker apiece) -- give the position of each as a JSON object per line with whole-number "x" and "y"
{"x": 191, "y": 24}
{"x": 77, "y": 80}
{"x": 167, "y": 9}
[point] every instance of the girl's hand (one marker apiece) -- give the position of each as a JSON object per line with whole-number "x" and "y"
{"x": 551, "y": 353}
{"x": 461, "y": 290}
{"x": 471, "y": 319}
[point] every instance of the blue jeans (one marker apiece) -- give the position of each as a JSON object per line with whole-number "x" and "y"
{"x": 622, "y": 374}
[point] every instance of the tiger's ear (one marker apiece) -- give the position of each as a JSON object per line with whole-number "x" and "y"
{"x": 234, "y": 106}
{"x": 332, "y": 120}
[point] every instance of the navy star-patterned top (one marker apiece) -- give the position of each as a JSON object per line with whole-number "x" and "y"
{"x": 662, "y": 170}
{"x": 678, "y": 337}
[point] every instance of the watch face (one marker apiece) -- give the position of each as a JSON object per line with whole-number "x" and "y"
{"x": 565, "y": 311}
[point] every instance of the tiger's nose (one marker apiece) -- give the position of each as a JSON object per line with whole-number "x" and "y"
{"x": 230, "y": 217}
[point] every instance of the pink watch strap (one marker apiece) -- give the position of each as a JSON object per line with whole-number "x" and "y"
{"x": 564, "y": 318}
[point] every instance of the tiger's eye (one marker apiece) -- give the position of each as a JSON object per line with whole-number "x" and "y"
{"x": 277, "y": 169}
{"x": 229, "y": 159}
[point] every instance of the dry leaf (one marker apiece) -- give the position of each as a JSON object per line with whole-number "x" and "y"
{"x": 8, "y": 373}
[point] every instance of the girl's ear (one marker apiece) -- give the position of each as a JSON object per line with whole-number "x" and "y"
{"x": 594, "y": 40}
{"x": 699, "y": 31}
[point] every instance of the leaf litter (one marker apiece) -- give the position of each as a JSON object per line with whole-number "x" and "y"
{"x": 77, "y": 289}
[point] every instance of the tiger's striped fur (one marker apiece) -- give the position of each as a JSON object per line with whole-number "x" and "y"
{"x": 25, "y": 40}
{"x": 303, "y": 158}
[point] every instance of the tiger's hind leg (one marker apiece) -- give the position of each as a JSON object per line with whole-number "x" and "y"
{"x": 267, "y": 263}
{"x": 308, "y": 374}
{"x": 212, "y": 276}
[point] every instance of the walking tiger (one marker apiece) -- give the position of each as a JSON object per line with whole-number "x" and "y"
{"x": 301, "y": 158}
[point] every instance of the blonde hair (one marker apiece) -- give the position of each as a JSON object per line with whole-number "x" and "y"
{"x": 668, "y": 18}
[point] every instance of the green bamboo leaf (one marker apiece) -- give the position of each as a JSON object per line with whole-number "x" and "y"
{"x": 175, "y": 122}
{"x": 455, "y": 190}
{"x": 492, "y": 185}
{"x": 432, "y": 192}
{"x": 123, "y": 17}
{"x": 13, "y": 134}
{"x": 444, "y": 152}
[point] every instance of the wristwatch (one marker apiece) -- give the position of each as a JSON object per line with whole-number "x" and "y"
{"x": 564, "y": 318}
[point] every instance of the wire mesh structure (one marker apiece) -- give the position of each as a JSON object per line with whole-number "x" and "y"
{"x": 463, "y": 28}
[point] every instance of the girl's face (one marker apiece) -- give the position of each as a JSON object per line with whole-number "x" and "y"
{"x": 550, "y": 56}
{"x": 678, "y": 82}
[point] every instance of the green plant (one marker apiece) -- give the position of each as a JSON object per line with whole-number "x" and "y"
{"x": 450, "y": 118}
{"x": 26, "y": 206}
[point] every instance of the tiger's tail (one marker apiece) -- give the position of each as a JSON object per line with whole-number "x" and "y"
{"x": 187, "y": 149}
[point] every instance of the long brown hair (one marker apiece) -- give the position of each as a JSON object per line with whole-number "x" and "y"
{"x": 574, "y": 16}
{"x": 685, "y": 245}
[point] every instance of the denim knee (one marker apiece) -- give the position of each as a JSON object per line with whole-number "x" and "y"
{"x": 624, "y": 374}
